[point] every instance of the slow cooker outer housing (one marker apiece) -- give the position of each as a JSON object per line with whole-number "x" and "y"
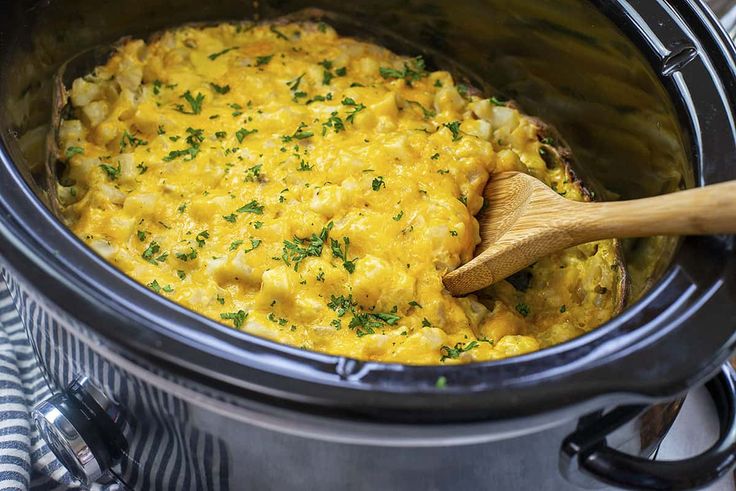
{"x": 638, "y": 357}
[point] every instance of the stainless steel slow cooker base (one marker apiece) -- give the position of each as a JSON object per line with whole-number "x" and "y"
{"x": 173, "y": 441}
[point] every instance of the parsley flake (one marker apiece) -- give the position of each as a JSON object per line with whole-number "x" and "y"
{"x": 454, "y": 128}
{"x": 112, "y": 172}
{"x": 413, "y": 71}
{"x": 238, "y": 317}
{"x": 214, "y": 56}
{"x": 263, "y": 60}
{"x": 337, "y": 252}
{"x": 72, "y": 151}
{"x": 220, "y": 89}
{"x": 194, "y": 102}
{"x": 252, "y": 207}
{"x": 242, "y": 133}
{"x": 453, "y": 353}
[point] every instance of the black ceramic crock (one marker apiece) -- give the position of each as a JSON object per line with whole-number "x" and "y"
{"x": 157, "y": 397}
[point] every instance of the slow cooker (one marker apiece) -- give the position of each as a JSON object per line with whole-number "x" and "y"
{"x": 153, "y": 396}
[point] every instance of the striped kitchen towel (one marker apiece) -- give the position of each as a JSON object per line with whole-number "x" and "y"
{"x": 25, "y": 461}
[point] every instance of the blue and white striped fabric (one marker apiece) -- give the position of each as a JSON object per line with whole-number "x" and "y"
{"x": 25, "y": 461}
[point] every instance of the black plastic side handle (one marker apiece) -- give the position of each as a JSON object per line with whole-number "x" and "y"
{"x": 586, "y": 451}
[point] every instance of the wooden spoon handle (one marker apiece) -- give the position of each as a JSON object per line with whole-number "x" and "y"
{"x": 699, "y": 211}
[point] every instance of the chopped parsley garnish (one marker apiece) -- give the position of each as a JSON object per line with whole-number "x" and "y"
{"x": 220, "y": 134}
{"x": 112, "y": 172}
{"x": 72, "y": 151}
{"x": 195, "y": 138}
{"x": 237, "y": 108}
{"x": 150, "y": 254}
{"x": 333, "y": 122}
{"x": 398, "y": 216}
{"x": 563, "y": 309}
{"x": 254, "y": 243}
{"x": 363, "y": 323}
{"x": 128, "y": 139}
{"x": 435, "y": 156}
{"x": 154, "y": 286}
{"x": 498, "y": 101}
{"x": 263, "y": 60}
{"x": 235, "y": 244}
{"x": 295, "y": 251}
{"x": 214, "y": 56}
{"x": 320, "y": 98}
{"x": 413, "y": 71}
{"x": 304, "y": 166}
{"x": 327, "y": 74}
{"x": 378, "y": 183}
{"x": 294, "y": 84}
{"x": 523, "y": 309}
{"x": 348, "y": 264}
{"x": 232, "y": 217}
{"x": 341, "y": 304}
{"x": 253, "y": 173}
{"x": 415, "y": 304}
{"x": 142, "y": 168}
{"x": 156, "y": 87}
{"x": 454, "y": 353}
{"x": 299, "y": 134}
{"x": 194, "y": 102}
{"x": 441, "y": 382}
{"x": 202, "y": 237}
{"x": 356, "y": 109}
{"x": 191, "y": 152}
{"x": 278, "y": 33}
{"x": 242, "y": 133}
{"x": 252, "y": 207}
{"x": 428, "y": 113}
{"x": 454, "y": 128}
{"x": 238, "y": 317}
{"x": 327, "y": 77}
{"x": 426, "y": 323}
{"x": 141, "y": 235}
{"x": 181, "y": 274}
{"x": 220, "y": 89}
{"x": 190, "y": 256}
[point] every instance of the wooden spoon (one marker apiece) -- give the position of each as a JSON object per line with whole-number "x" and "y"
{"x": 526, "y": 221}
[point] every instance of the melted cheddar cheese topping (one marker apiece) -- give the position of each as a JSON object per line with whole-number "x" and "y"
{"x": 313, "y": 189}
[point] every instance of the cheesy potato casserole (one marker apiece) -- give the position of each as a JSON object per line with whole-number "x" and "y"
{"x": 313, "y": 189}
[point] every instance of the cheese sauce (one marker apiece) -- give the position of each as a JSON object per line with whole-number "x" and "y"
{"x": 313, "y": 189}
